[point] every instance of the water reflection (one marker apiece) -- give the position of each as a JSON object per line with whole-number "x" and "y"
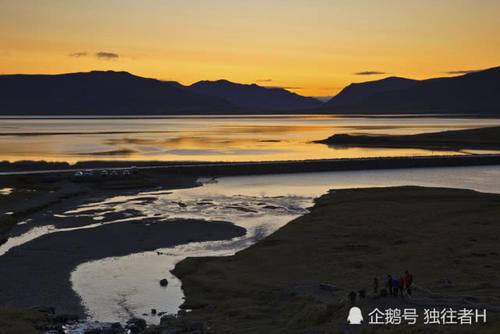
{"x": 117, "y": 288}
{"x": 208, "y": 138}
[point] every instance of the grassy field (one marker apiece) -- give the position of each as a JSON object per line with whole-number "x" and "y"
{"x": 449, "y": 239}
{"x": 20, "y": 321}
{"x": 483, "y": 138}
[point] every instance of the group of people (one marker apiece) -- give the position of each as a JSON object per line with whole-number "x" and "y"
{"x": 395, "y": 286}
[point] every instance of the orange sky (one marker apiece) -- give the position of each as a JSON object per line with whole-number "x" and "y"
{"x": 314, "y": 47}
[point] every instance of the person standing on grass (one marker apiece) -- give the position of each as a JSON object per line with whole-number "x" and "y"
{"x": 408, "y": 282}
{"x": 401, "y": 285}
{"x": 395, "y": 285}
{"x": 388, "y": 284}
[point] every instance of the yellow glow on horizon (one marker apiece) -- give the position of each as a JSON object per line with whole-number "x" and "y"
{"x": 311, "y": 47}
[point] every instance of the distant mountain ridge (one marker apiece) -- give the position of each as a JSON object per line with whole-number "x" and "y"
{"x": 356, "y": 93}
{"x": 254, "y": 97}
{"x": 121, "y": 93}
{"x": 477, "y": 92}
{"x": 101, "y": 93}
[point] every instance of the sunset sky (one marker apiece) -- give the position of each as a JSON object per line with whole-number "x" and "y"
{"x": 311, "y": 47}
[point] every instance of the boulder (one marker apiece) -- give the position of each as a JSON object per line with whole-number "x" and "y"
{"x": 139, "y": 323}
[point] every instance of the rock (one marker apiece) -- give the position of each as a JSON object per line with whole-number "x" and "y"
{"x": 115, "y": 328}
{"x": 168, "y": 320}
{"x": 163, "y": 282}
{"x": 132, "y": 329}
{"x": 137, "y": 322}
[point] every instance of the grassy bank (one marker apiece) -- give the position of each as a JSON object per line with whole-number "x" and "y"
{"x": 20, "y": 321}
{"x": 483, "y": 138}
{"x": 448, "y": 239}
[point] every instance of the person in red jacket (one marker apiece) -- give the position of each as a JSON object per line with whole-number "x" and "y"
{"x": 408, "y": 282}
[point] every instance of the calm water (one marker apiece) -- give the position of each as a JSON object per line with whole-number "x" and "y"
{"x": 215, "y": 138}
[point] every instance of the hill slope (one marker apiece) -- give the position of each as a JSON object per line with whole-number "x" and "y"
{"x": 254, "y": 97}
{"x": 356, "y": 93}
{"x": 477, "y": 92}
{"x": 100, "y": 93}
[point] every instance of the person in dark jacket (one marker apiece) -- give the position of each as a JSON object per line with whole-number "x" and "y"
{"x": 388, "y": 284}
{"x": 395, "y": 285}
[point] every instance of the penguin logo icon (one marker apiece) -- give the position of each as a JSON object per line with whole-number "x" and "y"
{"x": 355, "y": 317}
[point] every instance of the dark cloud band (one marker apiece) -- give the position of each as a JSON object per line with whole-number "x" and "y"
{"x": 462, "y": 71}
{"x": 107, "y": 55}
{"x": 284, "y": 87}
{"x": 78, "y": 54}
{"x": 370, "y": 73}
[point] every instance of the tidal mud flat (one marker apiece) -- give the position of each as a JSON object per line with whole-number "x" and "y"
{"x": 38, "y": 272}
{"x": 36, "y": 266}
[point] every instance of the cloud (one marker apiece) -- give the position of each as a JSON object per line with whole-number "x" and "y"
{"x": 462, "y": 71}
{"x": 264, "y": 80}
{"x": 107, "y": 55}
{"x": 78, "y": 54}
{"x": 370, "y": 73}
{"x": 284, "y": 87}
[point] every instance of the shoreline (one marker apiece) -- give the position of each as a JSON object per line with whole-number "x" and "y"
{"x": 219, "y": 169}
{"x": 486, "y": 138}
{"x": 38, "y": 272}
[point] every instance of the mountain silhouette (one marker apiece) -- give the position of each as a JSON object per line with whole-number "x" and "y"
{"x": 121, "y": 93}
{"x": 101, "y": 93}
{"x": 253, "y": 97}
{"x": 356, "y": 93}
{"x": 477, "y": 92}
